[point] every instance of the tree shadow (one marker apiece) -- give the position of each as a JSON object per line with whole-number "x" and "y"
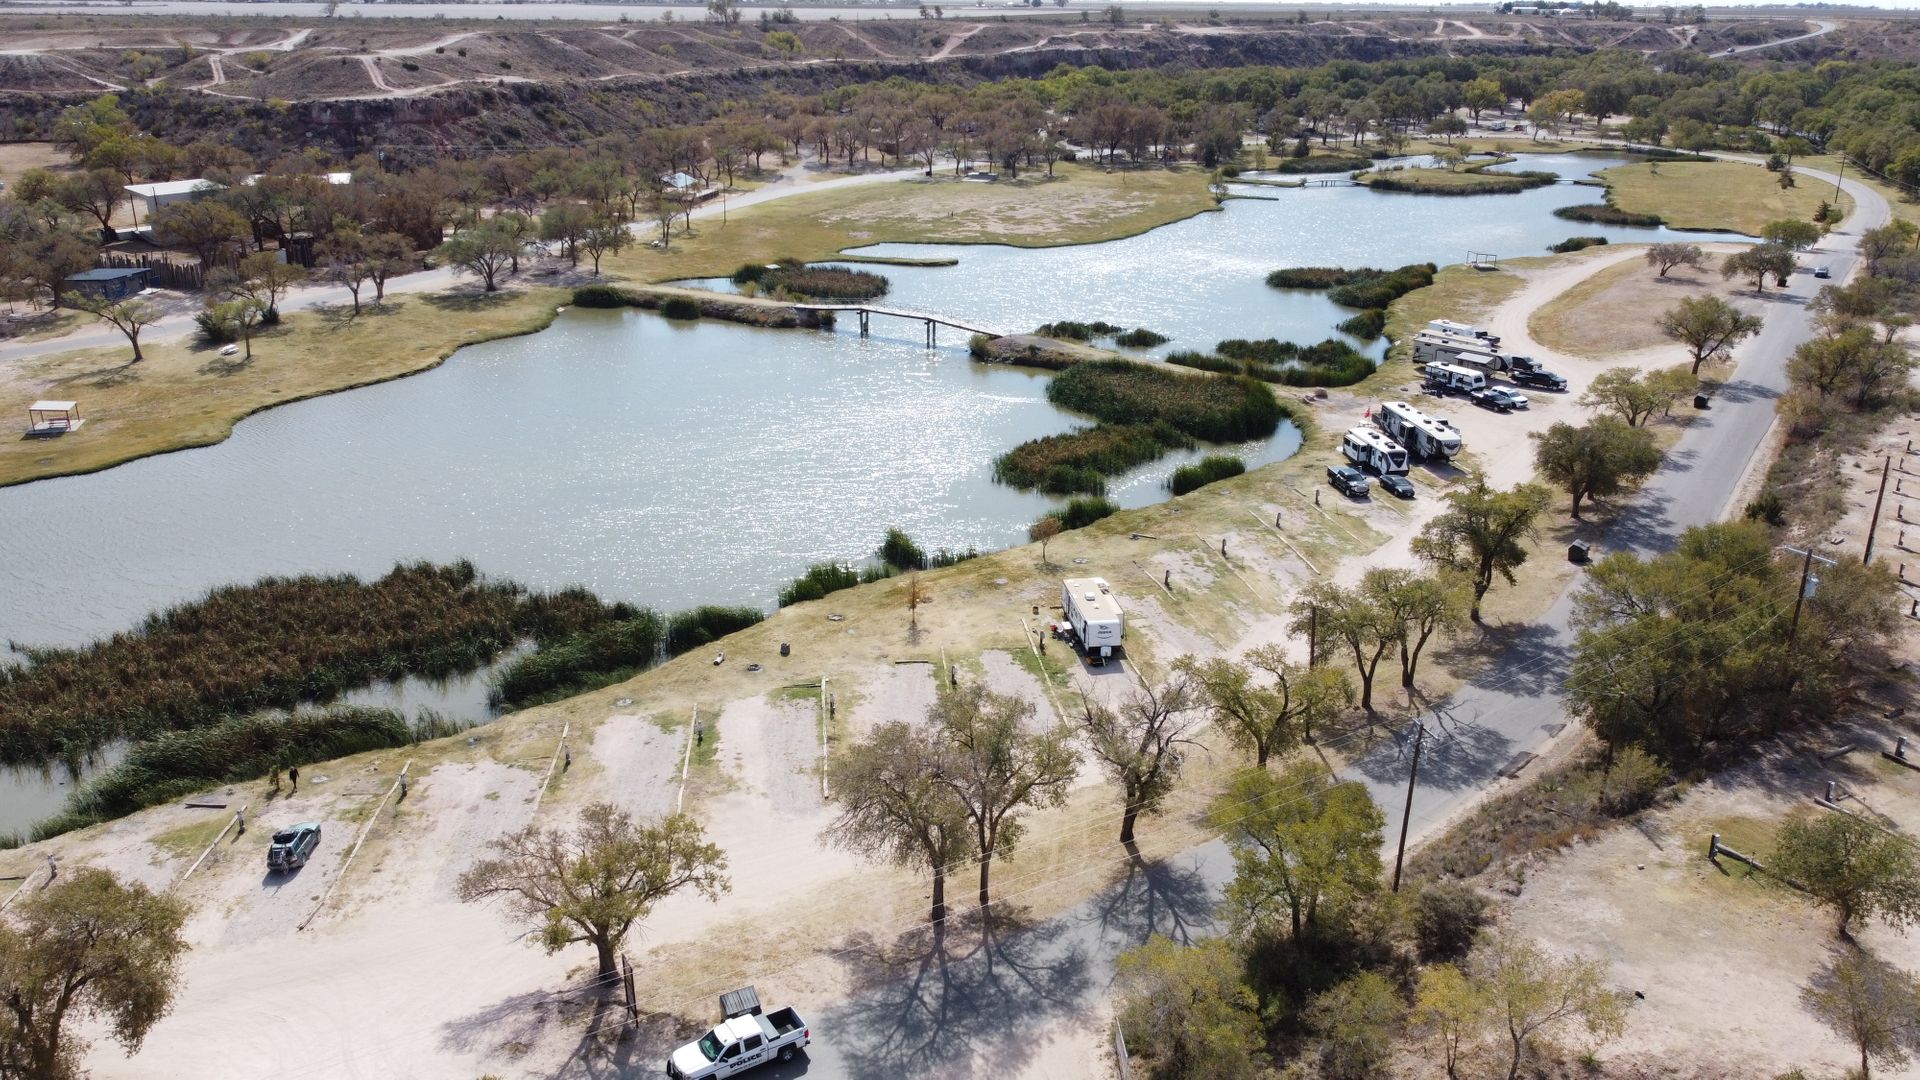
{"x": 226, "y": 365}
{"x": 955, "y": 1000}
{"x": 335, "y": 317}
{"x": 1457, "y": 753}
{"x": 1170, "y": 898}
{"x": 468, "y": 302}
{"x": 1527, "y": 659}
{"x": 103, "y": 377}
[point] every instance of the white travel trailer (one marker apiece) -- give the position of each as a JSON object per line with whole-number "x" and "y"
{"x": 1370, "y": 449}
{"x": 1455, "y": 378}
{"x": 1093, "y": 617}
{"x": 1448, "y": 326}
{"x": 1424, "y": 436}
{"x": 1431, "y": 348}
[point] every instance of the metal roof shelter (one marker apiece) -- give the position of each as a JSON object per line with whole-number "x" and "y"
{"x": 46, "y": 418}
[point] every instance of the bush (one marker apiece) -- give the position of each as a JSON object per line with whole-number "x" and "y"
{"x": 1446, "y": 918}
{"x": 819, "y": 580}
{"x": 1577, "y": 243}
{"x": 1086, "y": 510}
{"x": 1205, "y": 471}
{"x": 680, "y": 307}
{"x": 1602, "y": 214}
{"x": 1367, "y": 324}
{"x": 1383, "y": 289}
{"x": 1123, "y": 392}
{"x": 943, "y": 557}
{"x": 1330, "y": 363}
{"x": 1078, "y": 462}
{"x": 1140, "y": 338}
{"x": 1415, "y": 183}
{"x": 1068, "y": 330}
{"x": 898, "y": 550}
{"x": 707, "y": 624}
{"x": 597, "y": 657}
{"x": 598, "y": 296}
{"x": 977, "y": 346}
{"x": 1769, "y": 507}
{"x": 1319, "y": 277}
{"x": 214, "y": 330}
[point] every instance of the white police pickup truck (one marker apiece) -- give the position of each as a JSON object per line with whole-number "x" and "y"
{"x": 744, "y": 1040}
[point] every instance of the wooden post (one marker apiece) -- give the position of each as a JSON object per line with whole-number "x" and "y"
{"x": 626, "y": 983}
{"x": 1885, "y": 470}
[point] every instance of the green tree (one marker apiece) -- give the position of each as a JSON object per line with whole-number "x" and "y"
{"x": 1452, "y": 1010}
{"x": 1306, "y": 850}
{"x": 1758, "y": 263}
{"x": 594, "y": 883}
{"x": 388, "y": 256}
{"x": 1791, "y": 233}
{"x": 893, "y": 806}
{"x": 1709, "y": 327}
{"x": 566, "y": 224}
{"x": 1851, "y": 865}
{"x": 784, "y": 42}
{"x": 997, "y": 768}
{"x": 604, "y": 237}
{"x": 1269, "y": 719}
{"x": 208, "y": 228}
{"x": 1603, "y": 458}
{"x": 1529, "y": 992}
{"x": 1625, "y": 392}
{"x": 261, "y": 276}
{"x": 1664, "y": 257}
{"x": 1349, "y": 618}
{"x": 1417, "y": 607}
{"x": 1481, "y": 94}
{"x": 485, "y": 252}
{"x": 1357, "y": 1021}
{"x": 1483, "y": 533}
{"x": 129, "y": 316}
{"x": 1142, "y": 743}
{"x": 1871, "y": 1004}
{"x": 85, "y": 949}
{"x": 1186, "y": 1009}
{"x": 242, "y": 315}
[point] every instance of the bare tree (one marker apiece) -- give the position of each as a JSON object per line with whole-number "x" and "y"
{"x": 595, "y": 883}
{"x": 129, "y": 316}
{"x": 1141, "y": 744}
{"x": 893, "y": 806}
{"x": 1043, "y": 531}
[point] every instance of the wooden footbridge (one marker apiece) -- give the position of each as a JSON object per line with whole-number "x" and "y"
{"x": 932, "y": 321}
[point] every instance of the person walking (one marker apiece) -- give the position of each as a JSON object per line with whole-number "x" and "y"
{"x": 293, "y": 774}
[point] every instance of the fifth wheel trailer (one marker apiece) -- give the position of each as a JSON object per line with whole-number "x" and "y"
{"x": 1423, "y": 435}
{"x": 1094, "y": 621}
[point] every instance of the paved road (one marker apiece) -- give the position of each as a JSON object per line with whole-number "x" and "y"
{"x": 996, "y": 1010}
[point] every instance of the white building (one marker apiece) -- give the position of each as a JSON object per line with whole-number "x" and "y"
{"x": 167, "y": 192}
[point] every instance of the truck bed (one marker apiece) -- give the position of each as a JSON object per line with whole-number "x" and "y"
{"x": 783, "y": 1022}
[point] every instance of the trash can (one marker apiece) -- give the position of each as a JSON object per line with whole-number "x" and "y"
{"x": 1578, "y": 551}
{"x": 785, "y": 649}
{"x": 1699, "y": 401}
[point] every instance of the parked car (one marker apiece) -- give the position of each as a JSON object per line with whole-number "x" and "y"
{"x": 1397, "y": 484}
{"x": 1515, "y": 400}
{"x": 1526, "y": 371}
{"x": 1821, "y": 271}
{"x": 1348, "y": 480}
{"x": 1490, "y": 398}
{"x": 291, "y": 848}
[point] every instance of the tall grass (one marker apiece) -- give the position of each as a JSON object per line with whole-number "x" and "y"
{"x": 1069, "y": 330}
{"x": 707, "y": 624}
{"x": 1078, "y": 462}
{"x": 180, "y": 763}
{"x": 1326, "y": 163}
{"x": 1085, "y": 510}
{"x": 272, "y": 644}
{"x": 1577, "y": 243}
{"x": 597, "y": 656}
{"x": 1604, "y": 214}
{"x": 1217, "y": 409}
{"x": 1140, "y": 338}
{"x": 1382, "y": 289}
{"x": 1205, "y": 471}
{"x": 1426, "y": 182}
{"x": 792, "y": 279}
{"x": 819, "y": 580}
{"x": 1320, "y": 277}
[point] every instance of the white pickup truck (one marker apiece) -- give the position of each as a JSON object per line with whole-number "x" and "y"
{"x": 740, "y": 1043}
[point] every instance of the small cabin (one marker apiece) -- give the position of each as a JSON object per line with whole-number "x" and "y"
{"x": 108, "y": 282}
{"x": 46, "y": 419}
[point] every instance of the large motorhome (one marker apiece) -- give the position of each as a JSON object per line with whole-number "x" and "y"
{"x": 1424, "y": 436}
{"x": 1431, "y": 348}
{"x": 1371, "y": 449}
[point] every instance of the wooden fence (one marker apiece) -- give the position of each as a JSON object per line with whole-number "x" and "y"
{"x": 161, "y": 273}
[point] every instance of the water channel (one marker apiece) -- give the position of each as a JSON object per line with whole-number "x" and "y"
{"x": 675, "y": 464}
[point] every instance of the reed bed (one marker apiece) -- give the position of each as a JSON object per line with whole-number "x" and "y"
{"x": 1078, "y": 462}
{"x": 1605, "y": 214}
{"x": 1205, "y": 471}
{"x": 1085, "y": 510}
{"x": 272, "y": 644}
{"x": 1219, "y": 409}
{"x": 597, "y": 656}
{"x": 1577, "y": 243}
{"x": 1069, "y": 330}
{"x": 1140, "y": 338}
{"x": 790, "y": 279}
{"x": 180, "y": 763}
{"x": 1330, "y": 363}
{"x": 707, "y": 624}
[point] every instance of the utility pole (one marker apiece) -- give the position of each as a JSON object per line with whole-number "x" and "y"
{"x": 1406, "y": 816}
{"x": 1885, "y": 471}
{"x": 1313, "y": 635}
{"x": 1836, "y": 184}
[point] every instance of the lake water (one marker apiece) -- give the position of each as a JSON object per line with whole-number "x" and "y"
{"x": 675, "y": 464}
